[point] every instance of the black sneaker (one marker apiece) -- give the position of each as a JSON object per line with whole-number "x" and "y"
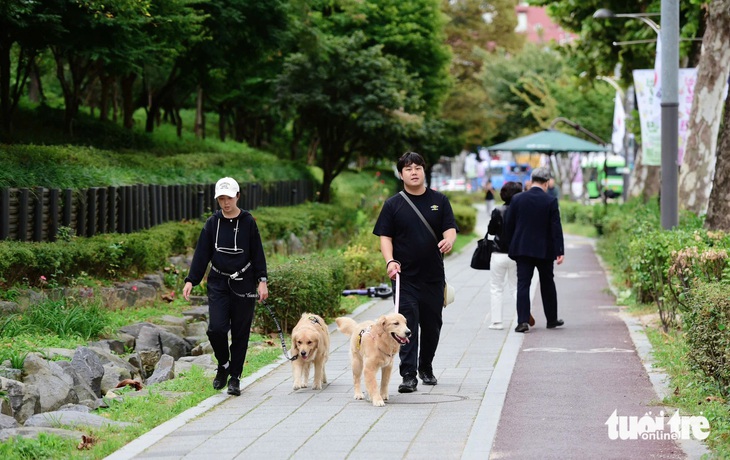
{"x": 522, "y": 327}
{"x": 234, "y": 387}
{"x": 427, "y": 378}
{"x": 221, "y": 378}
{"x": 409, "y": 385}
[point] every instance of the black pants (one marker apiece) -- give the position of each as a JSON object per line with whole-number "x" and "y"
{"x": 525, "y": 269}
{"x": 422, "y": 305}
{"x": 230, "y": 312}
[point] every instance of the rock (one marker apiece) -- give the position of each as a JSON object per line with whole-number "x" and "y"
{"x": 173, "y": 320}
{"x": 53, "y": 382}
{"x": 89, "y": 367}
{"x": 7, "y": 308}
{"x": 7, "y": 421}
{"x": 114, "y": 374}
{"x": 133, "y": 329}
{"x": 153, "y": 338}
{"x": 153, "y": 280}
{"x": 75, "y": 408}
{"x": 202, "y": 349}
{"x": 295, "y": 245}
{"x": 164, "y": 370}
{"x": 81, "y": 385}
{"x": 111, "y": 345}
{"x": 197, "y": 328}
{"x": 55, "y": 419}
{"x": 34, "y": 432}
{"x": 199, "y": 313}
{"x": 184, "y": 364}
{"x": 24, "y": 399}
{"x": 10, "y": 372}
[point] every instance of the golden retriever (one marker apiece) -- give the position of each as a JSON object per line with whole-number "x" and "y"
{"x": 373, "y": 346}
{"x": 311, "y": 345}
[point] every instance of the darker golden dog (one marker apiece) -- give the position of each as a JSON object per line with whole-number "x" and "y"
{"x": 373, "y": 346}
{"x": 311, "y": 345}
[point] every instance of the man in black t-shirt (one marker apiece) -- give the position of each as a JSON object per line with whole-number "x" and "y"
{"x": 416, "y": 252}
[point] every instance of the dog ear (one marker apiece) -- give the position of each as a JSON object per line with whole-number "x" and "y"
{"x": 382, "y": 322}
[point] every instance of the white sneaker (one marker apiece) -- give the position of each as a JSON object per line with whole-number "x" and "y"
{"x": 496, "y": 326}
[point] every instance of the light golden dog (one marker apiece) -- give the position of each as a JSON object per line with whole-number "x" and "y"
{"x": 311, "y": 345}
{"x": 373, "y": 346}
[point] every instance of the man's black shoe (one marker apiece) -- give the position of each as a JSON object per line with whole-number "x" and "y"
{"x": 221, "y": 378}
{"x": 234, "y": 387}
{"x": 552, "y": 324}
{"x": 427, "y": 378}
{"x": 409, "y": 385}
{"x": 522, "y": 327}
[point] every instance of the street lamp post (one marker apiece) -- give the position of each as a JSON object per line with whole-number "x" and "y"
{"x": 669, "y": 60}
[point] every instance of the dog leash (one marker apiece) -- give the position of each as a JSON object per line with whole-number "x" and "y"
{"x": 397, "y": 290}
{"x": 281, "y": 334}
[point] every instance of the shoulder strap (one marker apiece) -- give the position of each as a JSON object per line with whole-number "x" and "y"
{"x": 423, "y": 219}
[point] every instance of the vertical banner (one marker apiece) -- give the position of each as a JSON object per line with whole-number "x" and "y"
{"x": 648, "y": 99}
{"x": 619, "y": 125}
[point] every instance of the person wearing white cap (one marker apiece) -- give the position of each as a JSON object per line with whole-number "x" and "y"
{"x": 231, "y": 243}
{"x": 535, "y": 236}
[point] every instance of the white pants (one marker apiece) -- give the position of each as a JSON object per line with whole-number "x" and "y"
{"x": 504, "y": 275}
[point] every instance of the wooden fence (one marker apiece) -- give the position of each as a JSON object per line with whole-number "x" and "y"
{"x": 37, "y": 214}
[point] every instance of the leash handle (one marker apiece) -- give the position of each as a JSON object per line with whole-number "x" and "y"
{"x": 397, "y": 291}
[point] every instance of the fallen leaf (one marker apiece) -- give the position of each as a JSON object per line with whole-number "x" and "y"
{"x": 676, "y": 391}
{"x": 86, "y": 442}
{"x": 129, "y": 382}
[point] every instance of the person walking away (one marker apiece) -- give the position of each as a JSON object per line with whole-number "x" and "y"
{"x": 535, "y": 236}
{"x": 231, "y": 243}
{"x": 489, "y": 195}
{"x": 552, "y": 189}
{"x": 504, "y": 270}
{"x": 416, "y": 253}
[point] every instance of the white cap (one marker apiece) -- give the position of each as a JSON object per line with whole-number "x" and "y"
{"x": 226, "y": 186}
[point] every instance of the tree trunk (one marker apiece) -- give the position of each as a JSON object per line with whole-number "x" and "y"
{"x": 5, "y": 84}
{"x": 645, "y": 180}
{"x": 106, "y": 81}
{"x": 199, "y": 128}
{"x": 35, "y": 87}
{"x": 718, "y": 211}
{"x": 128, "y": 100}
{"x": 698, "y": 168}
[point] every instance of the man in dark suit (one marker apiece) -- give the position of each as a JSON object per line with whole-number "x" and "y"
{"x": 535, "y": 234}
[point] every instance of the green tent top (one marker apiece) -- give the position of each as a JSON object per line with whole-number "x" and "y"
{"x": 548, "y": 142}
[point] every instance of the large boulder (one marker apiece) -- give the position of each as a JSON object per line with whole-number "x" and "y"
{"x": 164, "y": 370}
{"x": 81, "y": 385}
{"x": 55, "y": 385}
{"x": 73, "y": 419}
{"x": 88, "y": 366}
{"x": 155, "y": 338}
{"x": 25, "y": 400}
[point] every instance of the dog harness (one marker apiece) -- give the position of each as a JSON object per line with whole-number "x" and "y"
{"x": 363, "y": 332}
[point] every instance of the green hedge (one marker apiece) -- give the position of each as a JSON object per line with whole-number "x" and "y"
{"x": 707, "y": 323}
{"x": 104, "y": 256}
{"x": 311, "y": 284}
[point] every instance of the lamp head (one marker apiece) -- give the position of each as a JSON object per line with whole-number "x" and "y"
{"x": 604, "y": 13}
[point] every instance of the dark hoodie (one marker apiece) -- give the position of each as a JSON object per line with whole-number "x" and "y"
{"x": 247, "y": 242}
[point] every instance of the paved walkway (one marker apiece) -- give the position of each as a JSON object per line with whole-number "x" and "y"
{"x": 501, "y": 394}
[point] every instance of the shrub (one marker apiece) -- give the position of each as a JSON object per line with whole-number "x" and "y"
{"x": 105, "y": 256}
{"x": 363, "y": 267}
{"x": 707, "y": 326}
{"x": 466, "y": 218}
{"x": 306, "y": 284}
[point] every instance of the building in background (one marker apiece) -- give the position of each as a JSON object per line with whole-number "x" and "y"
{"x": 534, "y": 22}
